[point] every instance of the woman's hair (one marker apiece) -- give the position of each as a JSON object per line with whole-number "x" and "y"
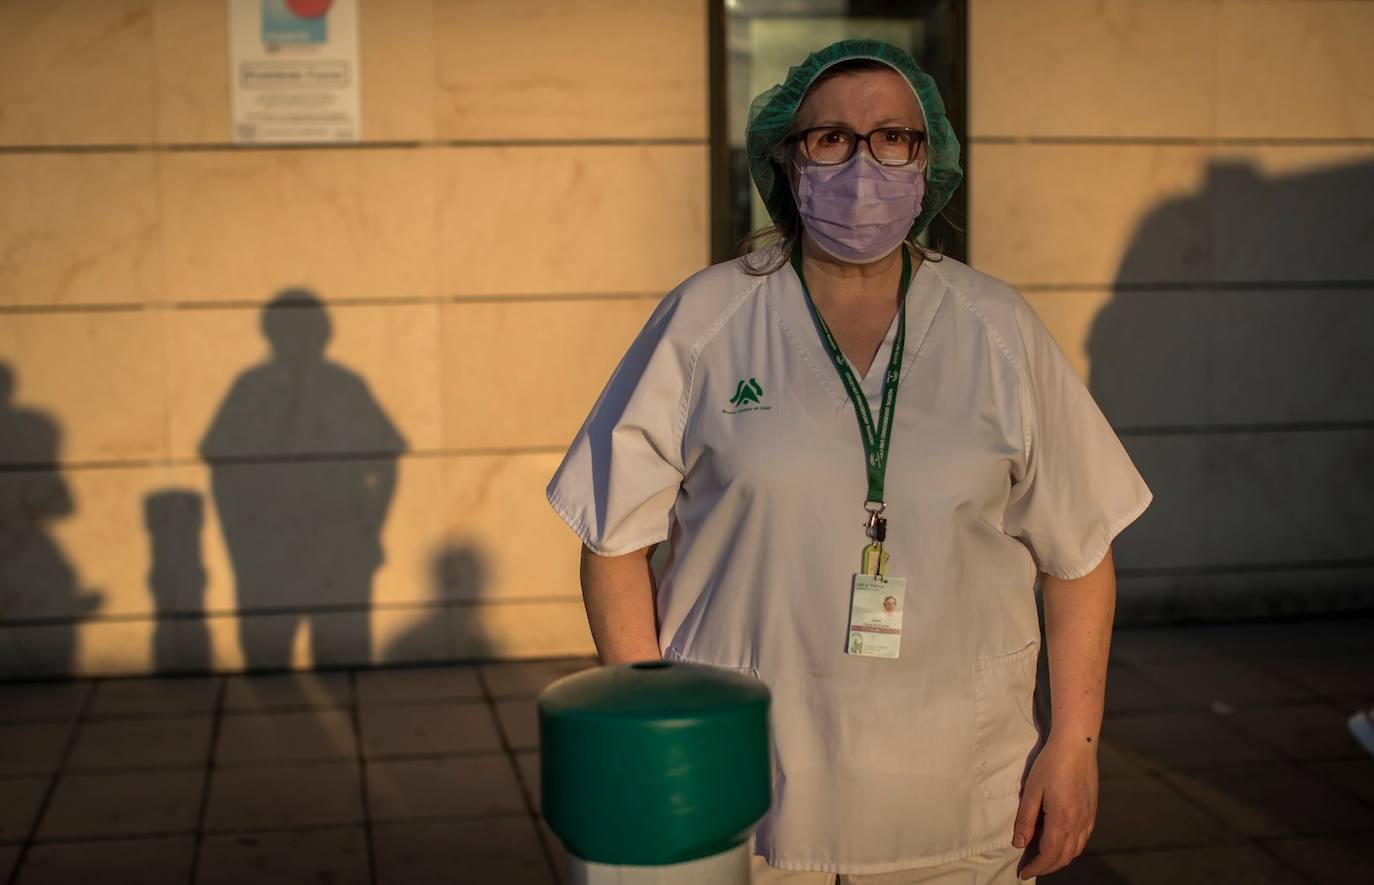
{"x": 786, "y": 231}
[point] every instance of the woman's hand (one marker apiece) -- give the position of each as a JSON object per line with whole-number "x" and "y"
{"x": 1062, "y": 785}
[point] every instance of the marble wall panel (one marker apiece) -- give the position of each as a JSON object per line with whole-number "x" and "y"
{"x": 1292, "y": 213}
{"x": 1278, "y": 595}
{"x": 503, "y": 542}
{"x": 571, "y": 69}
{"x": 1298, "y": 497}
{"x": 526, "y": 373}
{"x": 412, "y": 635}
{"x": 397, "y": 47}
{"x": 504, "y": 631}
{"x": 37, "y": 652}
{"x": 1151, "y": 357}
{"x": 1145, "y": 355}
{"x": 1170, "y": 533}
{"x": 85, "y": 387}
{"x": 1295, "y": 69}
{"x": 1170, "y": 358}
{"x": 191, "y": 53}
{"x": 92, "y": 648}
{"x": 1069, "y": 317}
{"x": 320, "y": 535}
{"x": 1090, "y": 214}
{"x": 243, "y": 225}
{"x": 1252, "y": 499}
{"x": 1067, "y": 68}
{"x": 78, "y": 228}
{"x": 549, "y": 220}
{"x": 375, "y": 387}
{"x": 76, "y": 544}
{"x": 1292, "y": 356}
{"x": 60, "y": 56}
{"x": 508, "y": 631}
{"x": 412, "y": 535}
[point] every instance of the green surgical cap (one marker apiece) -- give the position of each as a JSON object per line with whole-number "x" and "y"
{"x": 770, "y": 119}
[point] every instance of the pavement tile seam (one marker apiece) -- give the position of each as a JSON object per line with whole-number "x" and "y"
{"x": 1344, "y": 789}
{"x": 1287, "y": 828}
{"x": 268, "y": 763}
{"x": 455, "y": 817}
{"x": 204, "y": 805}
{"x": 1238, "y": 841}
{"x": 1356, "y": 852}
{"x": 356, "y": 720}
{"x": 1352, "y": 752}
{"x": 378, "y": 708}
{"x": 87, "y": 701}
{"x": 113, "y": 837}
{"x": 149, "y": 717}
{"x": 1129, "y": 855}
{"x": 1279, "y": 674}
{"x": 509, "y": 752}
{"x": 155, "y": 708}
{"x": 80, "y": 838}
{"x": 1178, "y": 707}
{"x": 222, "y": 831}
{"x": 1283, "y": 863}
{"x": 527, "y": 789}
{"x": 236, "y": 712}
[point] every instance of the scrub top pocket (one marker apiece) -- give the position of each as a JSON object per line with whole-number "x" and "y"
{"x": 1004, "y": 731}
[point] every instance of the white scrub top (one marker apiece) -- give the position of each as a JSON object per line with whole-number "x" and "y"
{"x": 1000, "y": 464}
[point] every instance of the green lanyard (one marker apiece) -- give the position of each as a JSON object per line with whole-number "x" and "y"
{"x": 875, "y": 437}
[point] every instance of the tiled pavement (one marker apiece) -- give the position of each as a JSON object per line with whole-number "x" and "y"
{"x": 1225, "y": 759}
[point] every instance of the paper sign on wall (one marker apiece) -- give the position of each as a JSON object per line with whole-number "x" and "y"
{"x": 293, "y": 71}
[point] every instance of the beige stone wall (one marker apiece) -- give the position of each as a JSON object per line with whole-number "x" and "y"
{"x": 1185, "y": 191}
{"x": 533, "y": 177}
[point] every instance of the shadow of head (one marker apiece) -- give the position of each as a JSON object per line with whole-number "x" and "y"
{"x": 1245, "y": 302}
{"x": 297, "y": 327}
{"x": 30, "y": 437}
{"x": 460, "y": 572}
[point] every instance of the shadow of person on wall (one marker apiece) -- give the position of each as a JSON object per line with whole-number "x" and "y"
{"x": 448, "y": 632}
{"x": 177, "y": 579}
{"x": 303, "y": 468}
{"x": 1234, "y": 359}
{"x": 40, "y": 596}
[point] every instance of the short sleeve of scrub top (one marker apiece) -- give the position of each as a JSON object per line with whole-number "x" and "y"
{"x": 620, "y": 478}
{"x": 725, "y": 428}
{"x": 1078, "y": 489}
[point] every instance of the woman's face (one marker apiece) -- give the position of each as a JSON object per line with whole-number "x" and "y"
{"x": 861, "y": 101}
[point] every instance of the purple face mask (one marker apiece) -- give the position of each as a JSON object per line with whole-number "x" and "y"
{"x": 860, "y": 210}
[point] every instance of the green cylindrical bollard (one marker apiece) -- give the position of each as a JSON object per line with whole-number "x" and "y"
{"x": 656, "y": 764}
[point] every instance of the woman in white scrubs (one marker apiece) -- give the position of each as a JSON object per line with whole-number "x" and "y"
{"x": 840, "y": 418}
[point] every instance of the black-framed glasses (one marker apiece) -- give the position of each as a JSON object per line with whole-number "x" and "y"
{"x": 833, "y": 145}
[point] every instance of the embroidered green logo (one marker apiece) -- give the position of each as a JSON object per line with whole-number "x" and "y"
{"x": 746, "y": 392}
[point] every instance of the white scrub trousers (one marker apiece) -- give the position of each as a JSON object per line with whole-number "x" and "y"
{"x": 997, "y": 867}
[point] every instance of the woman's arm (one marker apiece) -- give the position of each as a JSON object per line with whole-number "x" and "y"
{"x": 618, "y": 592}
{"x": 1062, "y": 783}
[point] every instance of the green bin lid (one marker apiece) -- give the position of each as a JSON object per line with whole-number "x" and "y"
{"x": 654, "y": 763}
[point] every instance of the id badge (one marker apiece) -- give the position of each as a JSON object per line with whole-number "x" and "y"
{"x": 876, "y": 604}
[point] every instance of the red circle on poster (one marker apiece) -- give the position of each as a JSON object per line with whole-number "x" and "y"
{"x": 309, "y": 8}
